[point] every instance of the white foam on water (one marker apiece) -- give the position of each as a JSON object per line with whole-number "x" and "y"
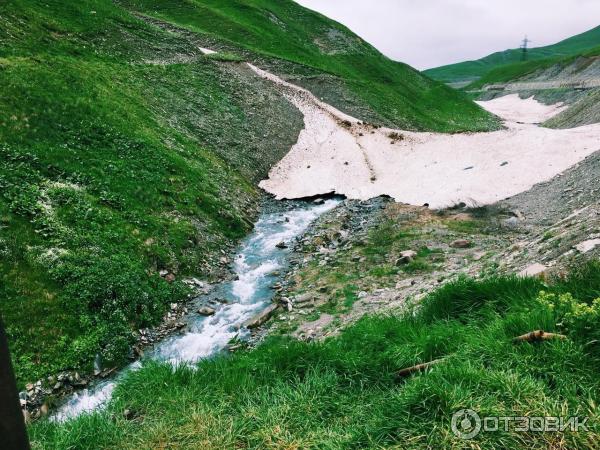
{"x": 257, "y": 260}
{"x": 249, "y": 277}
{"x": 85, "y": 401}
{"x": 247, "y": 295}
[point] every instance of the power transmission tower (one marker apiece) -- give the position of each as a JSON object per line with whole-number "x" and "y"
{"x": 524, "y": 48}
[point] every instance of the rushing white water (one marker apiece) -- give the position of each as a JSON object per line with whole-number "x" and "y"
{"x": 255, "y": 264}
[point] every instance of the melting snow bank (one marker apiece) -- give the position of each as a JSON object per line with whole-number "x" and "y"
{"x": 514, "y": 109}
{"x": 337, "y": 153}
{"x": 259, "y": 257}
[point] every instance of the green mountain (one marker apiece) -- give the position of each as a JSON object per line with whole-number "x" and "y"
{"x": 324, "y": 56}
{"x": 512, "y": 72}
{"x": 125, "y": 152}
{"x": 472, "y": 70}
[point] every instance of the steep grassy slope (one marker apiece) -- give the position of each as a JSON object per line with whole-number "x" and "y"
{"x": 325, "y": 57}
{"x": 124, "y": 151}
{"x": 116, "y": 162}
{"x": 471, "y": 70}
{"x": 343, "y": 393}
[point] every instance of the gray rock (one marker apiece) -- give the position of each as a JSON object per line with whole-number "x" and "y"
{"x": 511, "y": 222}
{"x": 262, "y": 317}
{"x": 461, "y": 243}
{"x": 587, "y": 246}
{"x": 406, "y": 257}
{"x": 287, "y": 304}
{"x": 303, "y": 298}
{"x": 535, "y": 270}
{"x": 206, "y": 311}
{"x": 405, "y": 284}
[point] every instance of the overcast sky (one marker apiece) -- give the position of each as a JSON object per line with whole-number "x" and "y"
{"x": 431, "y": 33}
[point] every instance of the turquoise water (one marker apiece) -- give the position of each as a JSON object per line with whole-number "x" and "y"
{"x": 255, "y": 265}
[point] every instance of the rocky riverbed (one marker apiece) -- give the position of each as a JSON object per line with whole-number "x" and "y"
{"x": 216, "y": 319}
{"x": 39, "y": 398}
{"x": 371, "y": 257}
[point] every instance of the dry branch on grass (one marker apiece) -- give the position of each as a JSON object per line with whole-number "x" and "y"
{"x": 534, "y": 336}
{"x": 538, "y": 336}
{"x": 418, "y": 368}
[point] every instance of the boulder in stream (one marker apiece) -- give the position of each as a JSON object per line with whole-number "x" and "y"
{"x": 206, "y": 311}
{"x": 262, "y": 317}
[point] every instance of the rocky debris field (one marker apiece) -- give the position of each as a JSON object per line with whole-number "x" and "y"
{"x": 548, "y": 203}
{"x": 370, "y": 257}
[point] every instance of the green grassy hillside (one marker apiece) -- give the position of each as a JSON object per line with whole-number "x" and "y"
{"x": 124, "y": 151}
{"x": 343, "y": 393}
{"x": 114, "y": 167}
{"x": 325, "y": 57}
{"x": 471, "y": 70}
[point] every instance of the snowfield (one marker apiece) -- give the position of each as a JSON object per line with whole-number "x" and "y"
{"x": 336, "y": 153}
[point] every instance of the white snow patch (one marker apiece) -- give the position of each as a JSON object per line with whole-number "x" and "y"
{"x": 588, "y": 246}
{"x": 360, "y": 162}
{"x": 513, "y": 108}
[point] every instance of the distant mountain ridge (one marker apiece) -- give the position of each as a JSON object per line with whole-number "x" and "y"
{"x": 472, "y": 70}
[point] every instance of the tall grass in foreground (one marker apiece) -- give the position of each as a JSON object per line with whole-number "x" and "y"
{"x": 343, "y": 393}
